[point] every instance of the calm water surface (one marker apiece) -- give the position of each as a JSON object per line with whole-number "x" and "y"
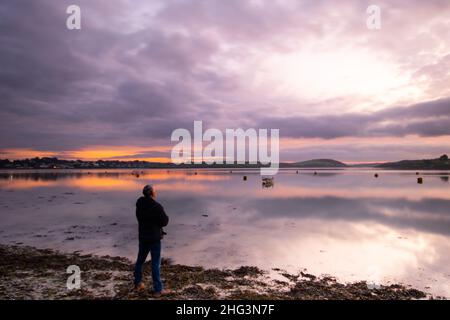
{"x": 345, "y": 223}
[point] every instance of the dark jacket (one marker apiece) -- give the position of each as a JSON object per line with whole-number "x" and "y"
{"x": 151, "y": 218}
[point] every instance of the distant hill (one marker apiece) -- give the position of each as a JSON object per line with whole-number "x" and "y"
{"x": 442, "y": 163}
{"x": 319, "y": 163}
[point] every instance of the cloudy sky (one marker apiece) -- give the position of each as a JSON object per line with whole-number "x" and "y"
{"x": 138, "y": 69}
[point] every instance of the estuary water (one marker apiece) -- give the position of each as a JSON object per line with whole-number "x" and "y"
{"x": 345, "y": 223}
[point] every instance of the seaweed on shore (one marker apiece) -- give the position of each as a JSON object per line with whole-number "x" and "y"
{"x": 29, "y": 273}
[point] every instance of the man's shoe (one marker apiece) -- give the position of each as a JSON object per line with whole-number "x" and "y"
{"x": 163, "y": 293}
{"x": 139, "y": 287}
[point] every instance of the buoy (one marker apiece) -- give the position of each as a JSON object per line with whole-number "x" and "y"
{"x": 245, "y": 178}
{"x": 376, "y": 175}
{"x": 417, "y": 173}
{"x": 297, "y": 171}
{"x": 195, "y": 173}
{"x": 315, "y": 173}
{"x": 419, "y": 180}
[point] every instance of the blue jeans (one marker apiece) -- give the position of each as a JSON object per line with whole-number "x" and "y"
{"x": 155, "y": 252}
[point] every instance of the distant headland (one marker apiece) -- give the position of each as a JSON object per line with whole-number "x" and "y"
{"x": 441, "y": 163}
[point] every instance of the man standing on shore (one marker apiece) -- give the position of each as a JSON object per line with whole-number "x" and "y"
{"x": 151, "y": 218}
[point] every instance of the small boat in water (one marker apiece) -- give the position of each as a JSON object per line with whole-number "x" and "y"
{"x": 267, "y": 182}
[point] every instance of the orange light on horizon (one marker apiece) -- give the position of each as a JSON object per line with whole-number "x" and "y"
{"x": 14, "y": 154}
{"x": 118, "y": 153}
{"x": 90, "y": 154}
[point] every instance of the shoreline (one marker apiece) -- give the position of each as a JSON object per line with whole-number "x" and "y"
{"x": 30, "y": 273}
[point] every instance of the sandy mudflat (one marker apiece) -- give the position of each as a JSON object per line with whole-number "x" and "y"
{"x": 29, "y": 273}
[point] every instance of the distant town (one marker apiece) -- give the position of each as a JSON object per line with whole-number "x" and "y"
{"x": 55, "y": 163}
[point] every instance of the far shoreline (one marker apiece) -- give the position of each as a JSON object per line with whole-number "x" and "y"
{"x": 441, "y": 163}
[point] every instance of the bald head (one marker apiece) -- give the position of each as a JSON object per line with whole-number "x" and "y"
{"x": 149, "y": 191}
